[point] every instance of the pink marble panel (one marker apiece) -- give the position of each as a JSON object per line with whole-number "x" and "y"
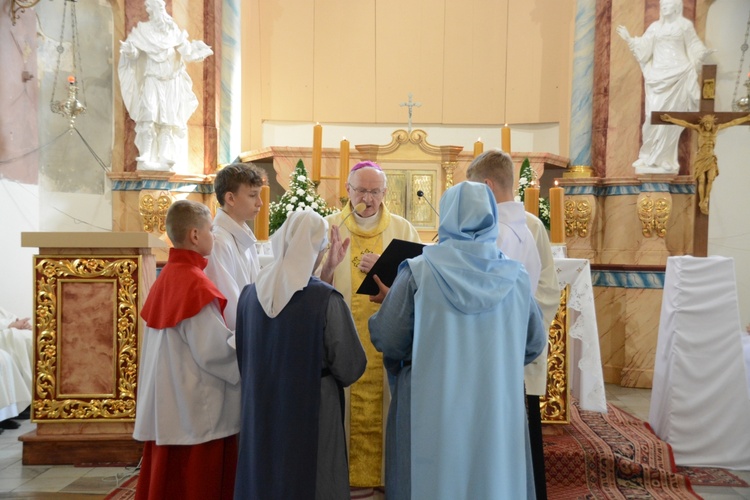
{"x": 625, "y": 92}
{"x": 86, "y": 338}
{"x": 679, "y": 237}
{"x": 621, "y": 230}
{"x": 611, "y": 309}
{"x": 641, "y": 332}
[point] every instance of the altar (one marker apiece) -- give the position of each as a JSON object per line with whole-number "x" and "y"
{"x": 585, "y": 377}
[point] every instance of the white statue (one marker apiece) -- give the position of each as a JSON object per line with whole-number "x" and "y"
{"x": 157, "y": 91}
{"x": 670, "y": 54}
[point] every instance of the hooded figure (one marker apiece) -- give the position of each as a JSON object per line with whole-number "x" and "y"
{"x": 297, "y": 349}
{"x": 456, "y": 329}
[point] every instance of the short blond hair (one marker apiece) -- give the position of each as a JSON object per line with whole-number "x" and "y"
{"x": 493, "y": 164}
{"x": 183, "y": 216}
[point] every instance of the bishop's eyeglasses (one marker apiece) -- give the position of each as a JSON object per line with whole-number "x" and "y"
{"x": 364, "y": 192}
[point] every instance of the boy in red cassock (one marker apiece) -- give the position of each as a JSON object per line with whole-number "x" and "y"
{"x": 188, "y": 399}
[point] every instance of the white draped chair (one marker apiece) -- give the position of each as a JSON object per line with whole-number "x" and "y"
{"x": 699, "y": 398}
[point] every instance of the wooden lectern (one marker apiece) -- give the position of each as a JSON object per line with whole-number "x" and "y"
{"x": 88, "y": 292}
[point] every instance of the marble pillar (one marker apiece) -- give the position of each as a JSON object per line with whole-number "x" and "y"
{"x": 581, "y": 110}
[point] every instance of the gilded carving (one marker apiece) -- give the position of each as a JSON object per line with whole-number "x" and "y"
{"x": 709, "y": 88}
{"x": 48, "y": 406}
{"x": 577, "y": 217}
{"x": 449, "y": 167}
{"x": 554, "y": 405}
{"x": 654, "y": 216}
{"x": 154, "y": 211}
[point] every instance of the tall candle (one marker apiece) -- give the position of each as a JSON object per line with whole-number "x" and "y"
{"x": 343, "y": 166}
{"x": 557, "y": 214}
{"x": 478, "y": 147}
{"x": 531, "y": 200}
{"x": 506, "y": 138}
{"x": 317, "y": 151}
{"x": 262, "y": 220}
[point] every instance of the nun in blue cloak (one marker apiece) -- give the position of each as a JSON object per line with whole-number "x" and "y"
{"x": 297, "y": 348}
{"x": 456, "y": 329}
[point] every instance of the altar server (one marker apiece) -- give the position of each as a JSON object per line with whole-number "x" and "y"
{"x": 233, "y": 262}
{"x": 297, "y": 349}
{"x": 456, "y": 329}
{"x": 188, "y": 381}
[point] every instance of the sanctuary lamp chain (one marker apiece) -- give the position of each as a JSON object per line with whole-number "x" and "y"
{"x": 71, "y": 107}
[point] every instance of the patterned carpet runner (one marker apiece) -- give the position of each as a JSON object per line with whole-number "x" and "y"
{"x": 602, "y": 456}
{"x": 612, "y": 455}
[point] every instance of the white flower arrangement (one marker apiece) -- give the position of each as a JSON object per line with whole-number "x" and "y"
{"x": 300, "y": 196}
{"x": 525, "y": 179}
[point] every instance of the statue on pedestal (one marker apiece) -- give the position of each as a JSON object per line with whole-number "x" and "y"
{"x": 156, "y": 89}
{"x": 670, "y": 54}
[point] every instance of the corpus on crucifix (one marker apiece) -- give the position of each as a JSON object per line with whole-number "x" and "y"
{"x": 707, "y": 123}
{"x": 410, "y": 104}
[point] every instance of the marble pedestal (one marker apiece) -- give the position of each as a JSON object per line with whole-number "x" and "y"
{"x": 88, "y": 292}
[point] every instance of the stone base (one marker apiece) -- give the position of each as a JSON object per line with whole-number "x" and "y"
{"x": 96, "y": 450}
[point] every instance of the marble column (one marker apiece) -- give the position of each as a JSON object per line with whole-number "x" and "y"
{"x": 231, "y": 82}
{"x": 581, "y": 108}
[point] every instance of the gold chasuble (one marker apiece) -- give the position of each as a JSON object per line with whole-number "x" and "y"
{"x": 365, "y": 395}
{"x": 368, "y": 398}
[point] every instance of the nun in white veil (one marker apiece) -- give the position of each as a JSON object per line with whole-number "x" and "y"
{"x": 297, "y": 349}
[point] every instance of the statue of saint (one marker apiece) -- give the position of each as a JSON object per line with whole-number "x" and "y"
{"x": 670, "y": 55}
{"x": 157, "y": 91}
{"x": 706, "y": 167}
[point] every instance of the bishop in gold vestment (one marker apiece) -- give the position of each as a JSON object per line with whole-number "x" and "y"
{"x": 370, "y": 231}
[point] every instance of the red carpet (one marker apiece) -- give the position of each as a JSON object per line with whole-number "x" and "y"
{"x": 612, "y": 455}
{"x": 126, "y": 491}
{"x": 711, "y": 476}
{"x": 601, "y": 456}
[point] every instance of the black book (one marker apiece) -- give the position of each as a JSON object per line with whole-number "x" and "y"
{"x": 386, "y": 266}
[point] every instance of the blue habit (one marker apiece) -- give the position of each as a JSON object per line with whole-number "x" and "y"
{"x": 456, "y": 329}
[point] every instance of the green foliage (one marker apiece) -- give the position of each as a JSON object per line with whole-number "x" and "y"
{"x": 301, "y": 195}
{"x": 525, "y": 177}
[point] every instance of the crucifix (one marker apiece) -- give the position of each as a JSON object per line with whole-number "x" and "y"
{"x": 707, "y": 123}
{"x": 410, "y": 104}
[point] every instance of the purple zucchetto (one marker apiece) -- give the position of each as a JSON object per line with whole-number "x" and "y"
{"x": 364, "y": 164}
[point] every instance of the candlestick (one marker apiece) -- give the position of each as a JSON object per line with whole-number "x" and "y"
{"x": 506, "y": 138}
{"x": 343, "y": 166}
{"x": 317, "y": 152}
{"x": 557, "y": 214}
{"x": 478, "y": 147}
{"x": 531, "y": 199}
{"x": 262, "y": 219}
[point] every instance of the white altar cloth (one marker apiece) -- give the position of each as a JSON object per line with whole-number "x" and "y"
{"x": 586, "y": 378}
{"x": 699, "y": 398}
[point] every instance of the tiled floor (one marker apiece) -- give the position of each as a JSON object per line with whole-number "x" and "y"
{"x": 51, "y": 482}
{"x": 85, "y": 483}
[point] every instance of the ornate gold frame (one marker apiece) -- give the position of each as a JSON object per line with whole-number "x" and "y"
{"x": 554, "y": 405}
{"x": 49, "y": 274}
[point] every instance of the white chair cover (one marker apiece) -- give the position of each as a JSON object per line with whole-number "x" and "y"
{"x": 699, "y": 398}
